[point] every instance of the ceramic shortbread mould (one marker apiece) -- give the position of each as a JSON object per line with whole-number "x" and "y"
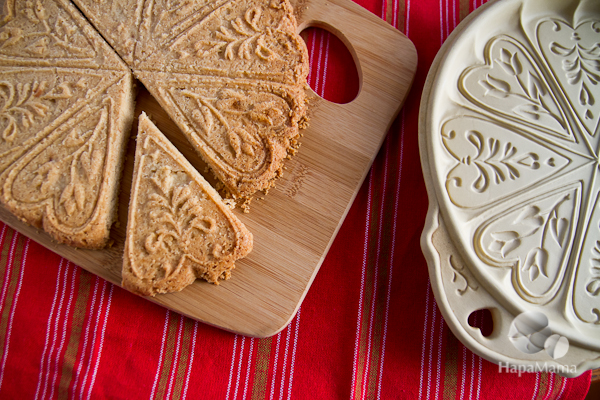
{"x": 510, "y": 147}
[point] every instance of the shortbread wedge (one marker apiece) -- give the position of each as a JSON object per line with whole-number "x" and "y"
{"x": 178, "y": 228}
{"x": 231, "y": 75}
{"x": 66, "y": 105}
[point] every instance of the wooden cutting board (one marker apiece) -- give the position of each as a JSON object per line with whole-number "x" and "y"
{"x": 295, "y": 224}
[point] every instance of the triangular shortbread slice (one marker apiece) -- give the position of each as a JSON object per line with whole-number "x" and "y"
{"x": 243, "y": 129}
{"x": 66, "y": 105}
{"x": 52, "y": 33}
{"x": 178, "y": 228}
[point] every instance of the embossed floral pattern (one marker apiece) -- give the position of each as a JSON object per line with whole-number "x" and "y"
{"x": 524, "y": 163}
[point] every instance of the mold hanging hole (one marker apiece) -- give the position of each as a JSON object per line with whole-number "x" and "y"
{"x": 331, "y": 66}
{"x": 482, "y": 319}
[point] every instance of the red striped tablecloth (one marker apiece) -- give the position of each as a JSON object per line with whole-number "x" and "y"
{"x": 369, "y": 327}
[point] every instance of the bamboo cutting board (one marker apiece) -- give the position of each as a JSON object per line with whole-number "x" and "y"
{"x": 297, "y": 221}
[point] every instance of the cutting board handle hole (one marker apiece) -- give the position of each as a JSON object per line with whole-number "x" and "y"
{"x": 328, "y": 53}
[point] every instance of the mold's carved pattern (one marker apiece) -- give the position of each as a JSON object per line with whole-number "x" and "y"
{"x": 489, "y": 163}
{"x": 461, "y": 277}
{"x": 586, "y": 292}
{"x": 548, "y": 235}
{"x": 574, "y": 57}
{"x": 510, "y": 85}
{"x": 42, "y": 29}
{"x": 534, "y": 239}
{"x": 593, "y": 285}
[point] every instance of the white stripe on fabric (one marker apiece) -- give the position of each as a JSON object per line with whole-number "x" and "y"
{"x": 431, "y": 344}
{"x": 464, "y": 373}
{"x": 562, "y": 388}
{"x": 160, "y": 356}
{"x": 317, "y": 76}
{"x": 274, "y": 374}
{"x": 101, "y": 345}
{"x": 12, "y": 312}
{"x": 191, "y": 361}
{"x": 424, "y": 348}
{"x": 439, "y": 358}
{"x": 392, "y": 251}
{"x": 49, "y": 329}
{"x": 479, "y": 370}
{"x": 64, "y": 329}
{"x": 536, "y": 387}
{"x": 362, "y": 288}
{"x": 237, "y": 381}
{"x": 472, "y": 375}
{"x": 248, "y": 367}
{"x": 93, "y": 344}
{"x": 407, "y": 19}
{"x": 294, "y": 353}
{"x": 285, "y": 360}
{"x": 86, "y": 337}
{"x": 375, "y": 276}
{"x": 231, "y": 369}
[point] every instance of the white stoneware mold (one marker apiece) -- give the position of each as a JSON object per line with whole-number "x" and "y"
{"x": 510, "y": 148}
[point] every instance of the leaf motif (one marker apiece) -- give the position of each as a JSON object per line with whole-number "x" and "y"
{"x": 252, "y": 17}
{"x": 561, "y": 50}
{"x": 79, "y": 195}
{"x": 559, "y": 228}
{"x": 593, "y": 287}
{"x": 516, "y": 64}
{"x": 67, "y": 200}
{"x": 235, "y": 142}
{"x": 507, "y": 241}
{"x": 534, "y": 273}
{"x": 10, "y": 132}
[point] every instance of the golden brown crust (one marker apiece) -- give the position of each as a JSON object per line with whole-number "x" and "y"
{"x": 66, "y": 110}
{"x": 231, "y": 75}
{"x": 178, "y": 228}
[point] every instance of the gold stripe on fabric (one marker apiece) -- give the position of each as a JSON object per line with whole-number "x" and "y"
{"x": 4, "y": 260}
{"x": 380, "y": 305}
{"x": 363, "y": 355}
{"x": 13, "y": 280}
{"x": 5, "y": 249}
{"x": 389, "y": 11}
{"x": 450, "y": 367}
{"x": 401, "y": 15}
{"x": 165, "y": 368}
{"x": 184, "y": 357}
{"x": 80, "y": 309}
{"x": 556, "y": 387}
{"x": 543, "y": 385}
{"x": 261, "y": 372}
{"x": 463, "y": 9}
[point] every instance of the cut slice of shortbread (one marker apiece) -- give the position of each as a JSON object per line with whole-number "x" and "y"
{"x": 230, "y": 73}
{"x": 178, "y": 228}
{"x": 66, "y": 104}
{"x": 242, "y": 128}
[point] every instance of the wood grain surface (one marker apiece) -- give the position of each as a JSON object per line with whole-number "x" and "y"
{"x": 296, "y": 222}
